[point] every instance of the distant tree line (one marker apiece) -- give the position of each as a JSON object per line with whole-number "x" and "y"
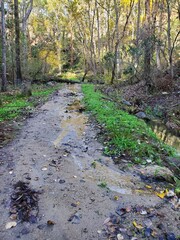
{"x": 113, "y": 39}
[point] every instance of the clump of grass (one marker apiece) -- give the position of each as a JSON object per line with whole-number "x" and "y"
{"x": 102, "y": 184}
{"x": 129, "y": 135}
{"x": 13, "y": 103}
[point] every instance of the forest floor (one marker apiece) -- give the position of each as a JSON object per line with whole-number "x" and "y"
{"x": 162, "y": 104}
{"x": 56, "y": 184}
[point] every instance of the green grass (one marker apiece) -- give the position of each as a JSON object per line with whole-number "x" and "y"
{"x": 128, "y": 134}
{"x": 13, "y": 104}
{"x": 73, "y": 76}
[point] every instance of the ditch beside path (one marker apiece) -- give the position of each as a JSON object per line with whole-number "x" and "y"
{"x": 82, "y": 194}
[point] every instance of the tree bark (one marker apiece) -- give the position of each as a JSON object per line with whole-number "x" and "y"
{"x": 116, "y": 64}
{"x": 4, "y": 79}
{"x": 138, "y": 31}
{"x": 169, "y": 38}
{"x": 147, "y": 47}
{"x": 26, "y": 15}
{"x": 17, "y": 42}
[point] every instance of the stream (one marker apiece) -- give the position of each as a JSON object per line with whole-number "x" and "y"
{"x": 169, "y": 137}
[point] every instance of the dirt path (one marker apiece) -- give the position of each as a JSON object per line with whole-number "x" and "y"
{"x": 54, "y": 153}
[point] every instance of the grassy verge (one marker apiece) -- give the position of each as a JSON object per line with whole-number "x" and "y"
{"x": 128, "y": 135}
{"x": 13, "y": 104}
{"x": 73, "y": 76}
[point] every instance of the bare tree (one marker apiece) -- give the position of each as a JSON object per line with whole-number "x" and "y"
{"x": 147, "y": 46}
{"x": 27, "y": 8}
{"x": 17, "y": 40}
{"x": 169, "y": 38}
{"x": 4, "y": 80}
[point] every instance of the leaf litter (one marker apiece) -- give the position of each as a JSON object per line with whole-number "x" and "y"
{"x": 24, "y": 203}
{"x": 136, "y": 222}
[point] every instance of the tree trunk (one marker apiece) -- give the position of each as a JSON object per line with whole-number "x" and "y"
{"x": 26, "y": 14}
{"x": 169, "y": 38}
{"x": 98, "y": 35}
{"x": 137, "y": 31}
{"x": 4, "y": 80}
{"x": 17, "y": 42}
{"x": 116, "y": 65}
{"x": 147, "y": 47}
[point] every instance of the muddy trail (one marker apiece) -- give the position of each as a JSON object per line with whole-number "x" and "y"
{"x": 56, "y": 184}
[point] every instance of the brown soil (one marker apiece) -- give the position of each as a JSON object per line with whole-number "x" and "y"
{"x": 83, "y": 195}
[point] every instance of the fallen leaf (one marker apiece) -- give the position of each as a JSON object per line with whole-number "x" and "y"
{"x": 128, "y": 209}
{"x": 50, "y": 223}
{"x": 73, "y": 204}
{"x": 75, "y": 219}
{"x": 13, "y": 216}
{"x": 121, "y": 211}
{"x": 162, "y": 194}
{"x": 136, "y": 225}
{"x": 106, "y": 221}
{"x": 11, "y": 225}
{"x": 143, "y": 212}
{"x": 154, "y": 234}
{"x": 116, "y": 198}
{"x": 44, "y": 169}
{"x": 148, "y": 186}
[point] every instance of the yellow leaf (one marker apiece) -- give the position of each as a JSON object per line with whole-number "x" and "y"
{"x": 148, "y": 186}
{"x": 116, "y": 198}
{"x": 138, "y": 226}
{"x": 162, "y": 194}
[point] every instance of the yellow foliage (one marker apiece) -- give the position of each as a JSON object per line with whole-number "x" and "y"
{"x": 50, "y": 57}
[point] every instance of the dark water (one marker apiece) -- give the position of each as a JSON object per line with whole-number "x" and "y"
{"x": 171, "y": 138}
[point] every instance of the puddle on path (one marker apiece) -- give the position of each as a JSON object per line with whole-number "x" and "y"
{"x": 73, "y": 124}
{"x": 73, "y": 127}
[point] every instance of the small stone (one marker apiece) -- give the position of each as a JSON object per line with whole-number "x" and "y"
{"x": 170, "y": 193}
{"x": 141, "y": 115}
{"x": 120, "y": 237}
{"x": 25, "y": 231}
{"x": 44, "y": 169}
{"x": 61, "y": 181}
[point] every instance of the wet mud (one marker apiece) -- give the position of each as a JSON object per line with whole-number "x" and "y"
{"x": 57, "y": 153}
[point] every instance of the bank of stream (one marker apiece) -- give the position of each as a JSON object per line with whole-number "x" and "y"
{"x": 168, "y": 136}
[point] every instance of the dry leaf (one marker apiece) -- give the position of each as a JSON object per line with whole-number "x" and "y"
{"x": 116, "y": 198}
{"x": 11, "y": 225}
{"x": 107, "y": 220}
{"x": 49, "y": 222}
{"x": 162, "y": 194}
{"x": 138, "y": 226}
